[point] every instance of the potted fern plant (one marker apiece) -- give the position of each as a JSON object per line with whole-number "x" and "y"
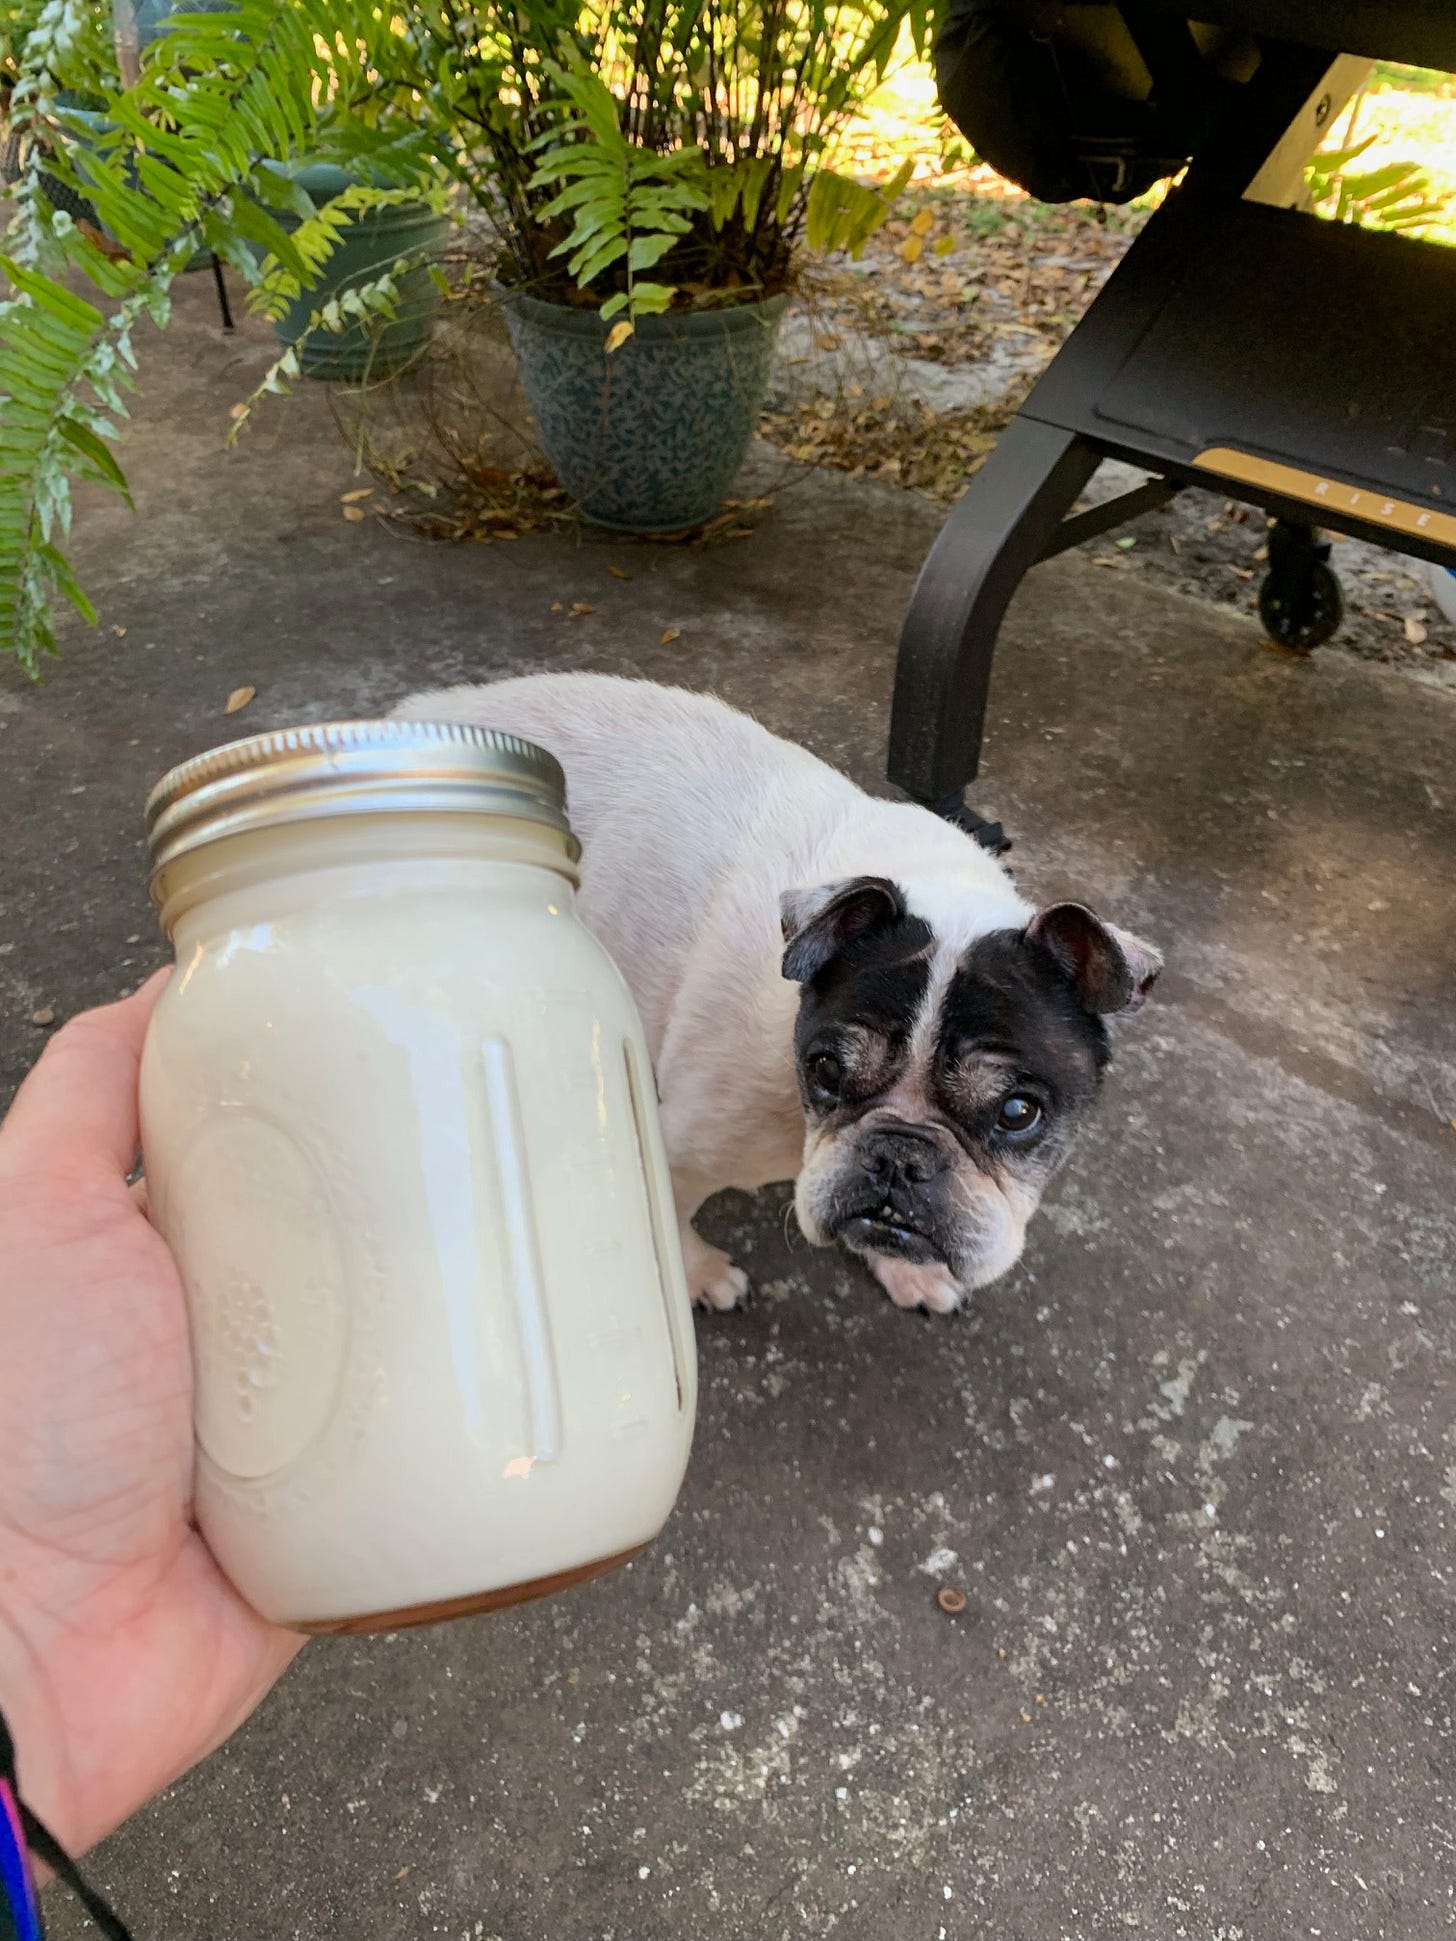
{"x": 653, "y": 169}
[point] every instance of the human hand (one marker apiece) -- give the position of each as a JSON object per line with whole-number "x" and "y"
{"x": 125, "y": 1654}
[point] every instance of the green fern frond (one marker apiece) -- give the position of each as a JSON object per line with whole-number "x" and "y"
{"x": 60, "y": 390}
{"x": 843, "y": 214}
{"x": 624, "y": 204}
{"x": 169, "y": 163}
{"x": 288, "y": 270}
{"x": 374, "y": 302}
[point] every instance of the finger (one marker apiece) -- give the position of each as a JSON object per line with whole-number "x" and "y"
{"x": 78, "y": 1108}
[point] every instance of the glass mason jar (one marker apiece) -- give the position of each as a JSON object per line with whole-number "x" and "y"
{"x": 400, "y": 1132}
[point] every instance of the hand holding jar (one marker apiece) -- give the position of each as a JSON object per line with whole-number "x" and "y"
{"x": 125, "y": 1654}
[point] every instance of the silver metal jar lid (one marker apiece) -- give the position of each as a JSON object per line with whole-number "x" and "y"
{"x": 338, "y": 768}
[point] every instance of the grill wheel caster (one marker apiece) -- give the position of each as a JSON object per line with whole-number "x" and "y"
{"x": 1300, "y": 602}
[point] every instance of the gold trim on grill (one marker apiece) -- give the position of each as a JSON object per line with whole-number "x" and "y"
{"x": 1420, "y": 522}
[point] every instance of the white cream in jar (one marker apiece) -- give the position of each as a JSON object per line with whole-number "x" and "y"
{"x": 400, "y": 1132}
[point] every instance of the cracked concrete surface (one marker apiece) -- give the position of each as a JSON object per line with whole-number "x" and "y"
{"x": 1193, "y": 1464}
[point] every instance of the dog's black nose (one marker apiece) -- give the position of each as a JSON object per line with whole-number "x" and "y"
{"x": 895, "y": 1156}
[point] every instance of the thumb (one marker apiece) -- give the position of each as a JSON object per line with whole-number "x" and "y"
{"x": 77, "y": 1111}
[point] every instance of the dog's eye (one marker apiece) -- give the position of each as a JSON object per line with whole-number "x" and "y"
{"x": 1018, "y": 1116}
{"x": 826, "y": 1074}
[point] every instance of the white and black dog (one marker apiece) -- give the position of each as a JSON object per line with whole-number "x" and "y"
{"x": 836, "y": 989}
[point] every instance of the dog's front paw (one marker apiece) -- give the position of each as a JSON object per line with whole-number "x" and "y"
{"x": 932, "y": 1287}
{"x": 713, "y": 1280}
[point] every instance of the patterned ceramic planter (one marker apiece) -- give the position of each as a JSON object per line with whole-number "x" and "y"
{"x": 648, "y": 439}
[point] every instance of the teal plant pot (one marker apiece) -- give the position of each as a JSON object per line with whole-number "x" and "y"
{"x": 367, "y": 246}
{"x": 647, "y": 439}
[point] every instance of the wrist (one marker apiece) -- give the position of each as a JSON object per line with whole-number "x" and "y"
{"x": 34, "y": 1732}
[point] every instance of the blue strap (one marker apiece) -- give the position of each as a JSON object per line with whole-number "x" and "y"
{"x": 19, "y": 1829}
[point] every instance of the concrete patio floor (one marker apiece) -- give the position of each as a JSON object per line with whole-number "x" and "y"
{"x": 1193, "y": 1463}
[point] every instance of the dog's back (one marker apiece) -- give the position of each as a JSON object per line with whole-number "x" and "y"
{"x": 693, "y": 819}
{"x": 688, "y": 757}
{"x": 663, "y": 789}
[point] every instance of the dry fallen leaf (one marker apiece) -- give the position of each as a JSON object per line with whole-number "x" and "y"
{"x": 557, "y": 607}
{"x": 43, "y": 1017}
{"x": 618, "y": 335}
{"x": 354, "y": 514}
{"x": 923, "y": 223}
{"x": 359, "y": 492}
{"x": 113, "y": 251}
{"x": 943, "y": 245}
{"x": 911, "y": 248}
{"x": 669, "y": 635}
{"x": 239, "y": 699}
{"x": 579, "y": 607}
{"x": 618, "y": 572}
{"x": 1415, "y": 631}
{"x": 120, "y": 632}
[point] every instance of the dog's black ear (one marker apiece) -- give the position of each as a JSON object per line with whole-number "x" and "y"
{"x": 1110, "y": 970}
{"x": 818, "y": 923}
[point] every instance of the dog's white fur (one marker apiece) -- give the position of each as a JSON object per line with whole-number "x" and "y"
{"x": 694, "y": 821}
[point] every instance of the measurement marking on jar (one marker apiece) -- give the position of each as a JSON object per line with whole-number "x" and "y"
{"x": 656, "y": 1219}
{"x": 523, "y": 1259}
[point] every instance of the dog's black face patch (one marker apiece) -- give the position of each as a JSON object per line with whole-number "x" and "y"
{"x": 856, "y": 1016}
{"x": 1010, "y": 1003}
{"x": 932, "y": 1136}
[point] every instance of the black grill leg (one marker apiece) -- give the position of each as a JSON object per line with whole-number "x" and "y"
{"x": 990, "y": 835}
{"x": 222, "y": 296}
{"x": 994, "y": 535}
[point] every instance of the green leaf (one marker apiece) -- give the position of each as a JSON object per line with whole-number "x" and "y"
{"x": 652, "y": 298}
{"x": 255, "y": 225}
{"x": 755, "y": 180}
{"x": 51, "y": 297}
{"x": 647, "y": 250}
{"x": 1376, "y": 181}
{"x": 1330, "y": 161}
{"x": 59, "y": 570}
{"x": 590, "y": 263}
{"x": 82, "y": 439}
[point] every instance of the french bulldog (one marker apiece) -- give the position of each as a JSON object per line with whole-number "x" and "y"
{"x": 836, "y": 989}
